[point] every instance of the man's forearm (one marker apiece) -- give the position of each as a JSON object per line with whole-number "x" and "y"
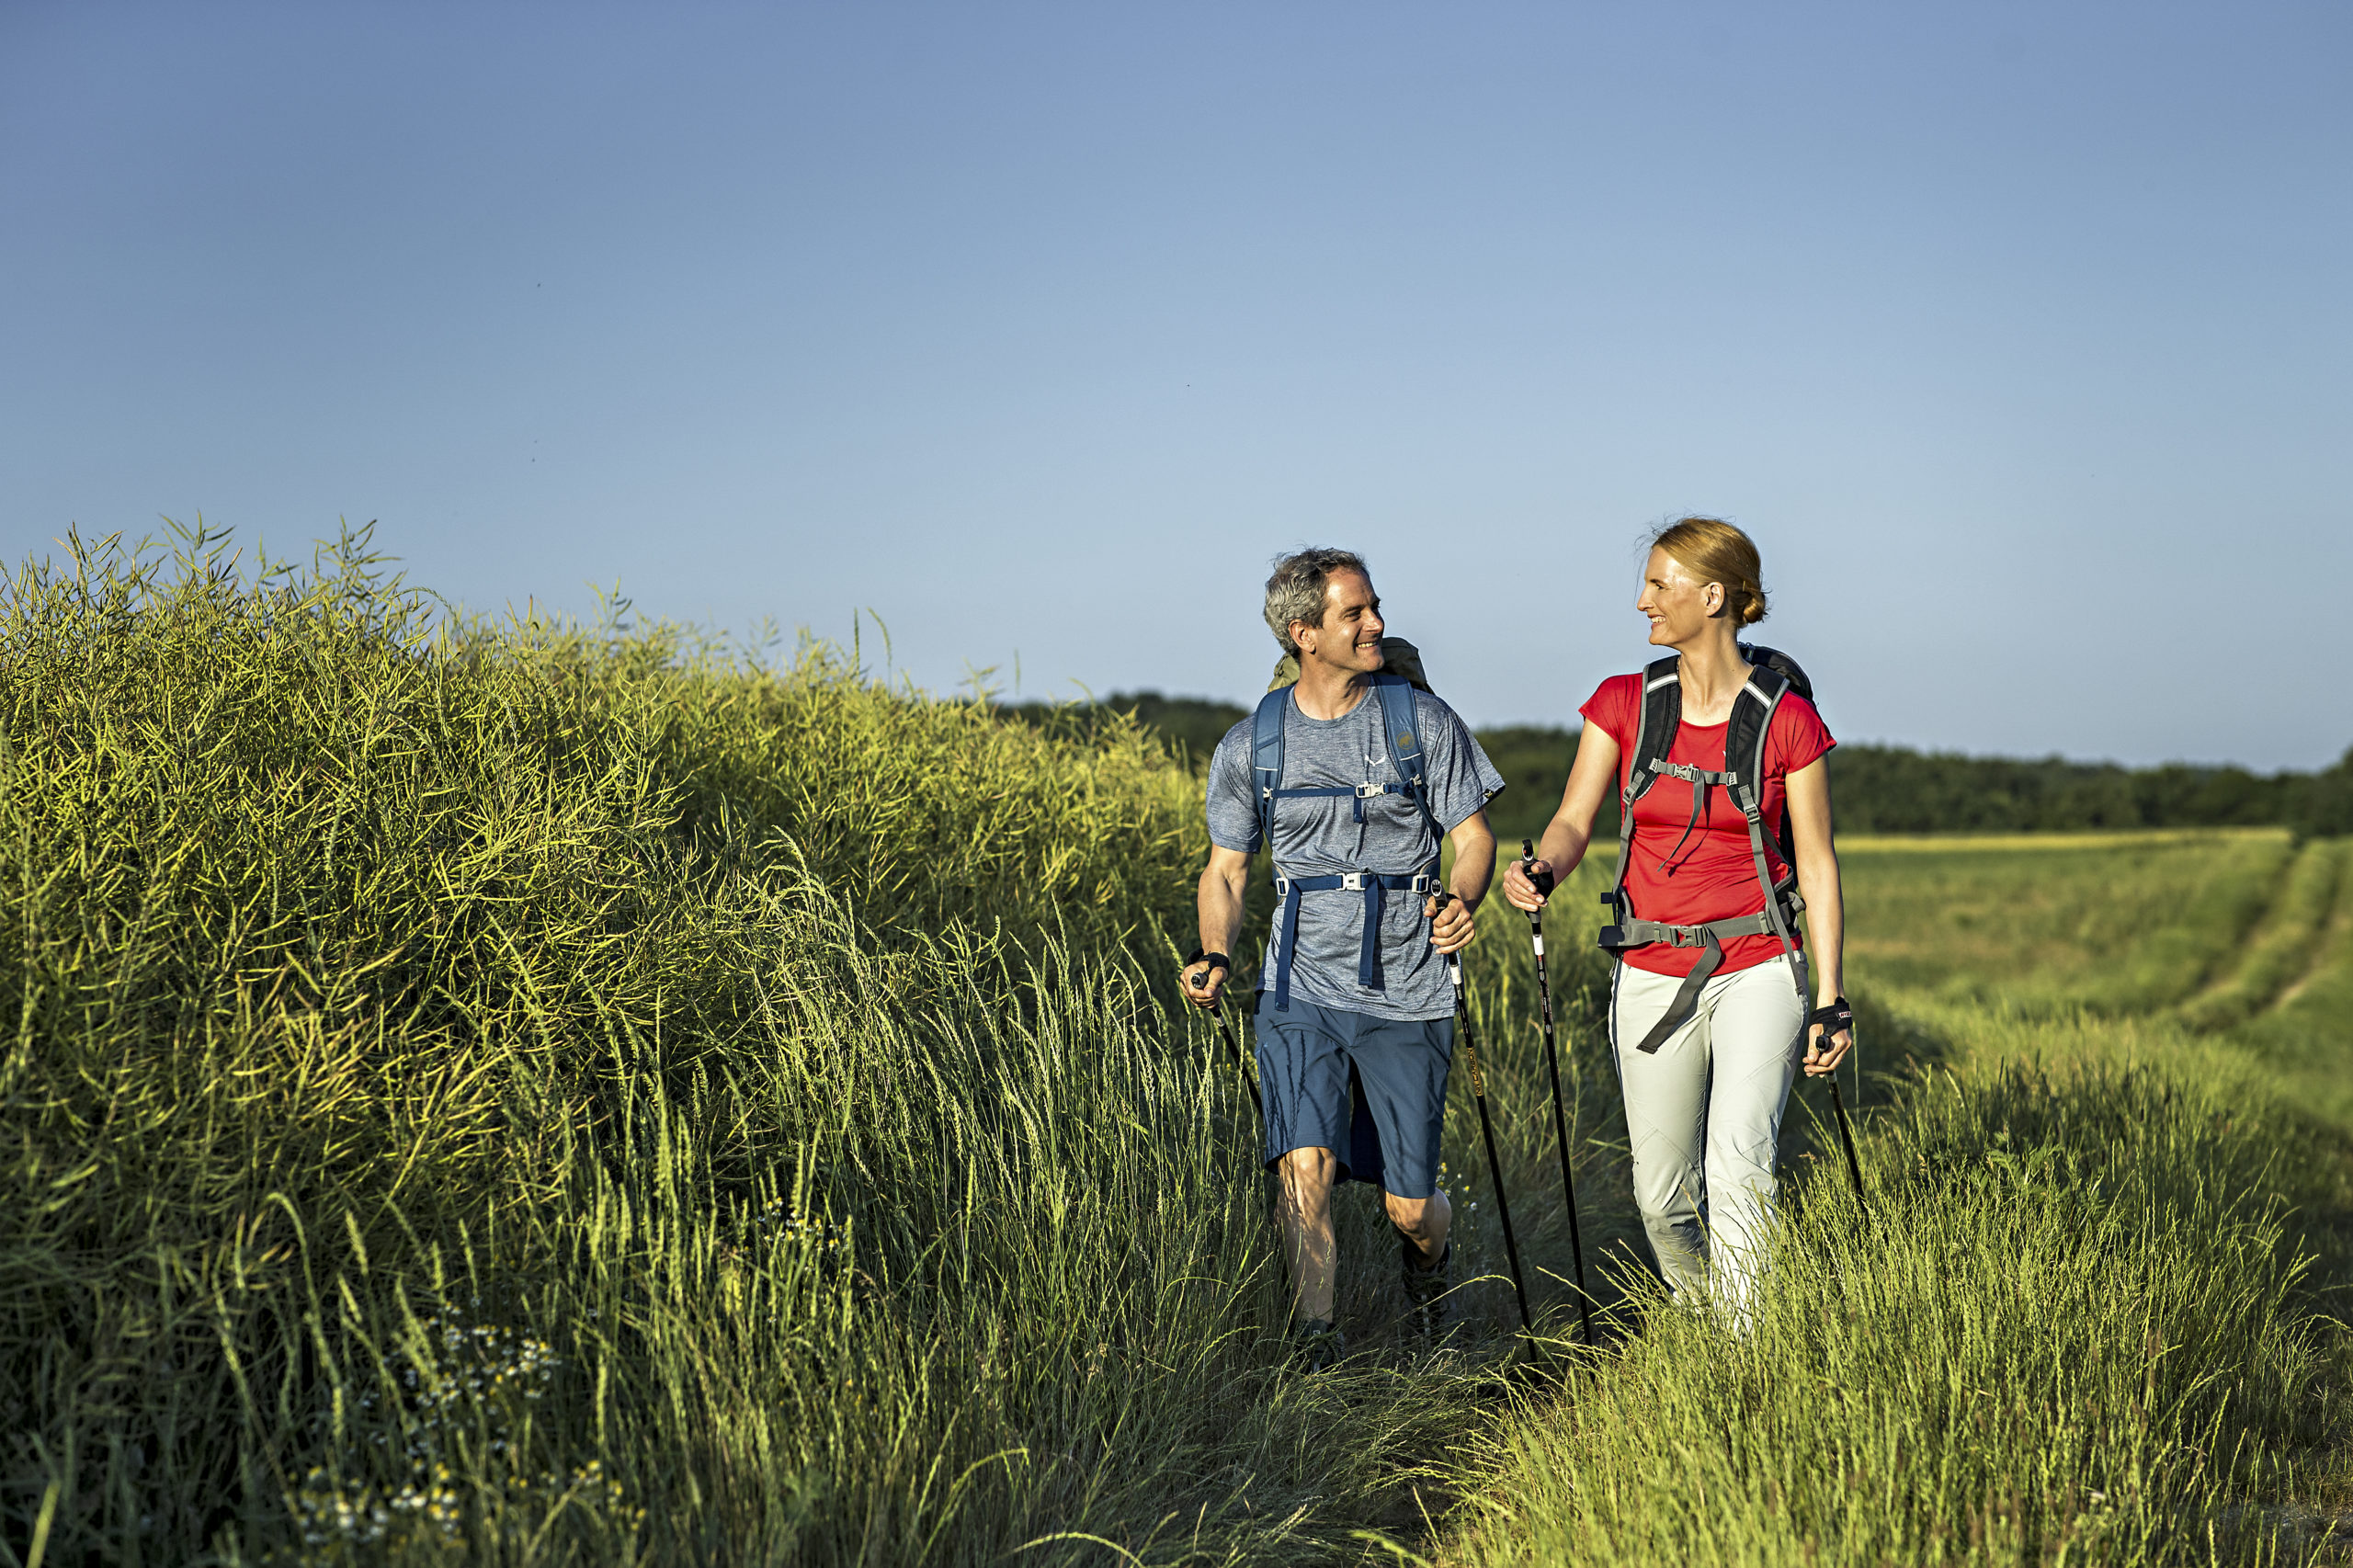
{"x": 1219, "y": 903}
{"x": 1474, "y": 862}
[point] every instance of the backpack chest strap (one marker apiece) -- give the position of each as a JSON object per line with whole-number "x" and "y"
{"x": 1357, "y": 794}
{"x": 1374, "y": 885}
{"x": 1699, "y": 776}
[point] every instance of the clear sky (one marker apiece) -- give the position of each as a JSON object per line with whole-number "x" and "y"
{"x": 2018, "y": 335}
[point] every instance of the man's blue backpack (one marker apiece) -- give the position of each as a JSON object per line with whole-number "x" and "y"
{"x": 1397, "y": 724}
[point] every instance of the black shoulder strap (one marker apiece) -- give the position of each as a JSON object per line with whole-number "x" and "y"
{"x": 1752, "y": 716}
{"x": 1658, "y": 716}
{"x": 1780, "y": 663}
{"x": 1654, "y": 731}
{"x": 1745, "y": 736}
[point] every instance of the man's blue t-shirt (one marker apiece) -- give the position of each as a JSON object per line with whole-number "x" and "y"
{"x": 1320, "y": 836}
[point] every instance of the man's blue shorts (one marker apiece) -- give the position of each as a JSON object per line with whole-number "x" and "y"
{"x": 1372, "y": 1090}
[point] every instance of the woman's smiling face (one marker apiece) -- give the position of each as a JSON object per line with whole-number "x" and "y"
{"x": 1679, "y": 605}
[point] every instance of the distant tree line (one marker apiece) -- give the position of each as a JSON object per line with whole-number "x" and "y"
{"x": 1877, "y": 788}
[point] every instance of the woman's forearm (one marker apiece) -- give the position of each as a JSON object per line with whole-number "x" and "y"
{"x": 1826, "y": 926}
{"x": 1563, "y": 845}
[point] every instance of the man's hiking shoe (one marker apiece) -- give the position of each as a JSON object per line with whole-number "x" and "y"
{"x": 1317, "y": 1344}
{"x": 1429, "y": 1308}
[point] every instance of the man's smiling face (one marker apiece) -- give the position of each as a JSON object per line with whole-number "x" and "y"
{"x": 1349, "y": 636}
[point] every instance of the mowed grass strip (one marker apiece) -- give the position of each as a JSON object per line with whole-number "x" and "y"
{"x": 2120, "y": 923}
{"x": 2301, "y": 1040}
{"x": 2280, "y": 951}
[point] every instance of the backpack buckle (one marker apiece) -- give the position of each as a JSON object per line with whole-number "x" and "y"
{"x": 1366, "y": 791}
{"x": 1352, "y": 881}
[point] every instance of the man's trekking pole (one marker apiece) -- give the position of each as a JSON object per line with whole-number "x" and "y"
{"x": 1840, "y": 1016}
{"x": 1233, "y": 1033}
{"x": 1552, "y": 1065}
{"x": 1486, "y": 1127}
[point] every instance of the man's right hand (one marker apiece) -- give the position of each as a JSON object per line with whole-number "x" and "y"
{"x": 1519, "y": 892}
{"x": 1205, "y": 984}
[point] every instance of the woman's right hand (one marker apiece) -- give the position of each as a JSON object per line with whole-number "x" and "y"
{"x": 1521, "y": 893}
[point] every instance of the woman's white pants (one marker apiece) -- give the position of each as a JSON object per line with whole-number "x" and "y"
{"x": 1703, "y": 1116}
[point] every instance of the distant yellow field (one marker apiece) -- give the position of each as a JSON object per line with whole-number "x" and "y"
{"x": 1949, "y": 843}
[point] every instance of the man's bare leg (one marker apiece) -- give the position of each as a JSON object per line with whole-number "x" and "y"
{"x": 1306, "y": 1214}
{"x": 1423, "y": 1222}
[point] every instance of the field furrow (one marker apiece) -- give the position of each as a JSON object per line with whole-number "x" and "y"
{"x": 2280, "y": 953}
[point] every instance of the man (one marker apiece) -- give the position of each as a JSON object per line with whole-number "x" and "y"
{"x": 1359, "y": 991}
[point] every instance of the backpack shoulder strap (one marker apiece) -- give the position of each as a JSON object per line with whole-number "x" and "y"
{"x": 1267, "y": 760}
{"x": 1401, "y": 726}
{"x": 1745, "y": 736}
{"x": 1656, "y": 718}
{"x": 1780, "y": 663}
{"x": 1752, "y": 718}
{"x": 1661, "y": 715}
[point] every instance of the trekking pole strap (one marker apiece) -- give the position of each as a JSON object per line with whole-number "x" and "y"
{"x": 1374, "y": 885}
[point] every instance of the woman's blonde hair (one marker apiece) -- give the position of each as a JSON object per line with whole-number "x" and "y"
{"x": 1714, "y": 552}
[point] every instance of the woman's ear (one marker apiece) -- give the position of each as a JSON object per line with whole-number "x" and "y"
{"x": 1714, "y": 598}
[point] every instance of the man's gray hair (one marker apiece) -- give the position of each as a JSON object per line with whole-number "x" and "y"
{"x": 1295, "y": 592}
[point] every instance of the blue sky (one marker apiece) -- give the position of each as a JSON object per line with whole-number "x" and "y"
{"x": 2017, "y": 334}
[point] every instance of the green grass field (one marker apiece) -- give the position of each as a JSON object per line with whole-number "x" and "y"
{"x": 525, "y": 1093}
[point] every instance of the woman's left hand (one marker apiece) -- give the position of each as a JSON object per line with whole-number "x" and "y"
{"x": 1824, "y": 1053}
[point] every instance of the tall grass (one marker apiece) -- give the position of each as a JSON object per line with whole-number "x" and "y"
{"x": 2064, "y": 1333}
{"x": 545, "y": 1094}
{"x": 526, "y": 1093}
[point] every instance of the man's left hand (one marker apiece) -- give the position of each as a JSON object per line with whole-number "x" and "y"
{"x": 1451, "y": 928}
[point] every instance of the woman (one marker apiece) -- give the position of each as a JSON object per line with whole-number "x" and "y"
{"x": 1708, "y": 1014}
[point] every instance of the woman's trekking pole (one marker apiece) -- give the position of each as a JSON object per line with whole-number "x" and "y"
{"x": 1847, "y": 1137}
{"x": 1838, "y": 1015}
{"x": 1560, "y": 1117}
{"x": 1486, "y": 1127}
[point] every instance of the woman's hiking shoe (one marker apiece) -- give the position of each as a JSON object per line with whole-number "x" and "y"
{"x": 1317, "y": 1344}
{"x": 1429, "y": 1308}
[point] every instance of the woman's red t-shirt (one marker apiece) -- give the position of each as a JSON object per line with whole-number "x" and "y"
{"x": 1712, "y": 876}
